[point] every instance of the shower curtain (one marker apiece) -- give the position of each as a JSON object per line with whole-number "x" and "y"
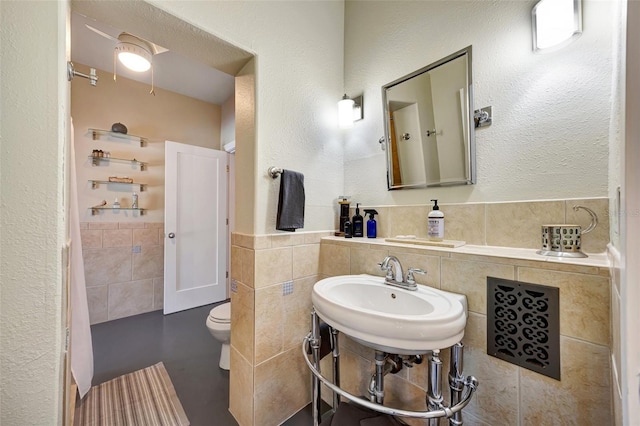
{"x": 81, "y": 347}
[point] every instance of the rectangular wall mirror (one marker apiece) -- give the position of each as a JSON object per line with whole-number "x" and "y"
{"x": 429, "y": 131}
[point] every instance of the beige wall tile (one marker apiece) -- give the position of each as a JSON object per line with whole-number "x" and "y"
{"x": 149, "y": 263}
{"x": 429, "y": 264}
{"x": 402, "y": 394}
{"x": 595, "y": 241}
{"x": 334, "y": 260}
{"x": 286, "y": 240}
{"x": 236, "y": 263}
{"x": 158, "y": 293}
{"x": 315, "y": 237}
{"x": 464, "y": 222}
{"x": 616, "y": 344}
{"x": 496, "y": 400}
{"x": 157, "y": 225}
{"x": 582, "y": 397}
{"x": 365, "y": 261}
{"x": 84, "y": 225}
{"x": 269, "y": 316}
{"x": 248, "y": 266}
{"x": 408, "y": 220}
{"x": 103, "y": 225}
{"x": 145, "y": 237}
{"x": 273, "y": 266}
{"x": 243, "y": 321}
{"x": 475, "y": 333}
{"x": 278, "y": 396}
{"x": 241, "y": 389}
{"x": 470, "y": 279}
{"x": 584, "y": 302}
{"x": 104, "y": 266}
{"x": 306, "y": 260}
{"x": 116, "y": 238}
{"x": 355, "y": 372}
{"x": 91, "y": 238}
{"x": 297, "y": 312}
{"x": 131, "y": 298}
{"x": 98, "y": 299}
{"x": 130, "y": 225}
{"x": 519, "y": 224}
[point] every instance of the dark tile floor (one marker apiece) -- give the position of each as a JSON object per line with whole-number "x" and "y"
{"x": 183, "y": 343}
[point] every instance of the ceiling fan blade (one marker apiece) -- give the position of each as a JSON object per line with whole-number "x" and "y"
{"x": 103, "y": 34}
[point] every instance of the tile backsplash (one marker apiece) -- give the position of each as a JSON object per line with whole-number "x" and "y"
{"x": 124, "y": 268}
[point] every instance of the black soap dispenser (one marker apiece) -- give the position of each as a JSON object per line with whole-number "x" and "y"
{"x": 357, "y": 223}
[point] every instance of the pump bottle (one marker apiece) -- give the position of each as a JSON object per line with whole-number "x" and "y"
{"x": 372, "y": 226}
{"x": 435, "y": 223}
{"x": 357, "y": 223}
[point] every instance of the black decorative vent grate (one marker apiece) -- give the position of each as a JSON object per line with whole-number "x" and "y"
{"x": 523, "y": 325}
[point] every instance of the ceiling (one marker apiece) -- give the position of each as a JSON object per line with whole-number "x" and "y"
{"x": 171, "y": 71}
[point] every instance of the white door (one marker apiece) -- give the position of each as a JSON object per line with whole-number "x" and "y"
{"x": 195, "y": 253}
{"x": 410, "y": 151}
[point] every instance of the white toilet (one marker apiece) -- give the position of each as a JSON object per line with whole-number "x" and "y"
{"x": 219, "y": 325}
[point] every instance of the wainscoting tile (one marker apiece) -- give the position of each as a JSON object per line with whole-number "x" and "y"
{"x": 156, "y": 225}
{"x": 519, "y": 224}
{"x": 149, "y": 263}
{"x": 131, "y": 298}
{"x": 409, "y": 220}
{"x": 273, "y": 266}
{"x": 334, "y": 259}
{"x": 297, "y": 312}
{"x": 584, "y": 302}
{"x": 241, "y": 388}
{"x": 470, "y": 278}
{"x": 269, "y": 322}
{"x": 286, "y": 240}
{"x": 365, "y": 261}
{"x": 91, "y": 238}
{"x": 105, "y": 266}
{"x": 464, "y": 222}
{"x": 145, "y": 237}
{"x": 116, "y": 238}
{"x": 243, "y": 320}
{"x": 98, "y": 298}
{"x": 595, "y": 241}
{"x": 582, "y": 397}
{"x": 306, "y": 260}
{"x": 103, "y": 225}
{"x": 130, "y": 225}
{"x": 158, "y": 293}
{"x": 277, "y": 395}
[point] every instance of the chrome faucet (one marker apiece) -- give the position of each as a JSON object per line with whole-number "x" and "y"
{"x": 395, "y": 276}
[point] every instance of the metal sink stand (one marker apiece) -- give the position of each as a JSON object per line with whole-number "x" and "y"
{"x": 462, "y": 388}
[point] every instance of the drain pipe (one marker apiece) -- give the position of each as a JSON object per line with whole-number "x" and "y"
{"x": 434, "y": 393}
{"x": 456, "y": 381}
{"x": 385, "y": 364}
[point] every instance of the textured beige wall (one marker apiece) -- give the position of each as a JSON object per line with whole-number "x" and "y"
{"x": 166, "y": 116}
{"x": 553, "y": 118}
{"x": 33, "y": 105}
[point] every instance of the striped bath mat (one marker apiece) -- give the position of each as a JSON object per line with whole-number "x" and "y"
{"x": 145, "y": 397}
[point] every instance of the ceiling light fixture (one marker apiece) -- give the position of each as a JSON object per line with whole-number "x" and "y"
{"x": 556, "y": 23}
{"x": 133, "y": 53}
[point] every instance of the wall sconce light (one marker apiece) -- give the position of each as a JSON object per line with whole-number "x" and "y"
{"x": 556, "y": 23}
{"x": 349, "y": 110}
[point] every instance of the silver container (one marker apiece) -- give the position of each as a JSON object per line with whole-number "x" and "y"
{"x": 565, "y": 240}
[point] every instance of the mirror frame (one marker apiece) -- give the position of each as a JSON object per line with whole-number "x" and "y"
{"x": 470, "y": 168}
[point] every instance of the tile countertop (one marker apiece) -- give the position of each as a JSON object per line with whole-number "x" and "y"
{"x": 599, "y": 260}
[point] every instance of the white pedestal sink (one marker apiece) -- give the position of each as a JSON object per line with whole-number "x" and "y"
{"x": 391, "y": 319}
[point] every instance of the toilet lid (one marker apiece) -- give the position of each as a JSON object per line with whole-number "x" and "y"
{"x": 221, "y": 313}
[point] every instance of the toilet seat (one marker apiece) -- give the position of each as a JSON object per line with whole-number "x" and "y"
{"x": 221, "y": 313}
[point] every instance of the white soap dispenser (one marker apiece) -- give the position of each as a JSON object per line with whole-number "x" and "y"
{"x": 435, "y": 223}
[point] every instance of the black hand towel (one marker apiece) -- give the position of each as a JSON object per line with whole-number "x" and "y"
{"x": 290, "y": 201}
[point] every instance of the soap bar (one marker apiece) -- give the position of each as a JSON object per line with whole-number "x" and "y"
{"x": 424, "y": 242}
